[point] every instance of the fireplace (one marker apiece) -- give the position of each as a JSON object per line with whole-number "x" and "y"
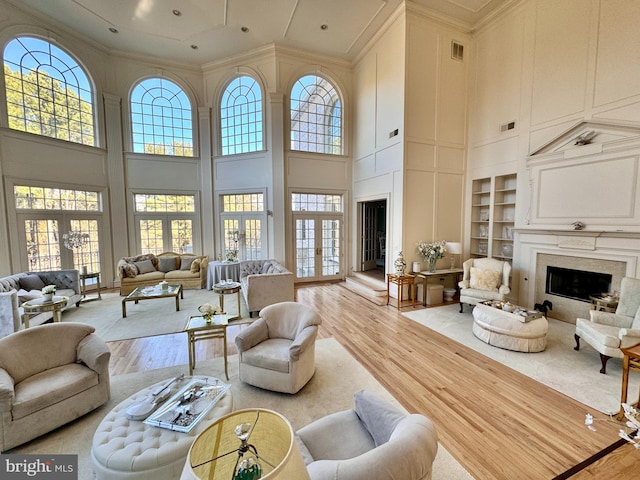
{"x": 576, "y": 284}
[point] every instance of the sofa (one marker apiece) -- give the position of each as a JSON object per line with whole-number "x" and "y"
{"x": 148, "y": 269}
{"x": 49, "y": 376}
{"x": 21, "y": 287}
{"x": 373, "y": 441}
{"x": 265, "y": 282}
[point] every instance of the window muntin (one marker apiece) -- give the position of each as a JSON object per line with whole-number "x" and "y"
{"x": 47, "y": 92}
{"x": 241, "y": 117}
{"x": 316, "y": 202}
{"x": 316, "y": 116}
{"x": 161, "y": 118}
{"x": 46, "y": 198}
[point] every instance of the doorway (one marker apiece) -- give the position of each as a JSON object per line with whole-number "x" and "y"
{"x": 373, "y": 238}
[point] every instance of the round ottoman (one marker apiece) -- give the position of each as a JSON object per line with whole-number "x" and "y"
{"x": 130, "y": 449}
{"x": 505, "y": 330}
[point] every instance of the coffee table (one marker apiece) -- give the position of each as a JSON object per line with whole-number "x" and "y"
{"x": 40, "y": 305}
{"x": 152, "y": 293}
{"x": 132, "y": 449}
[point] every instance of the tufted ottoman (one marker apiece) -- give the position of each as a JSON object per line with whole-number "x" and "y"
{"x": 505, "y": 330}
{"x": 130, "y": 449}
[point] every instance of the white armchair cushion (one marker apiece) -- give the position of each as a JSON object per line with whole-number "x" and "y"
{"x": 484, "y": 279}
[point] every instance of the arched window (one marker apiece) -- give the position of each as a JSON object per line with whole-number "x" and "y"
{"x": 241, "y": 117}
{"x": 48, "y": 93}
{"x": 316, "y": 116}
{"x": 161, "y": 118}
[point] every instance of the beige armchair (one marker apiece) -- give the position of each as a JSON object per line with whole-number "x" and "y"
{"x": 277, "y": 351}
{"x": 374, "y": 441}
{"x": 484, "y": 279}
{"x": 49, "y": 375}
{"x": 609, "y": 332}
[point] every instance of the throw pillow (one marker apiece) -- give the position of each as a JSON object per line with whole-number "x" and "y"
{"x": 271, "y": 268}
{"x": 31, "y": 282}
{"x": 378, "y": 416}
{"x": 484, "y": 279}
{"x": 167, "y": 264}
{"x": 129, "y": 270}
{"x": 185, "y": 262}
{"x": 145, "y": 266}
{"x": 25, "y": 296}
{"x": 265, "y": 267}
{"x": 195, "y": 265}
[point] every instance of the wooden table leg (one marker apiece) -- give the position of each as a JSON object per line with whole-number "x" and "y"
{"x": 124, "y": 308}
{"x": 399, "y": 293}
{"x": 625, "y": 385}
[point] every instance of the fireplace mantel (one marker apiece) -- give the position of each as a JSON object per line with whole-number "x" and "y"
{"x": 579, "y": 233}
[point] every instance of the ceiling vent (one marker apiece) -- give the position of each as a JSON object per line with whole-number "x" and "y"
{"x": 507, "y": 126}
{"x": 457, "y": 51}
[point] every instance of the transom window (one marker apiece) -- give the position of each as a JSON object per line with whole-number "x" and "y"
{"x": 241, "y": 117}
{"x": 161, "y": 118}
{"x": 146, "y": 202}
{"x": 244, "y": 202}
{"x": 316, "y": 116}
{"x": 47, "y": 92}
{"x": 45, "y": 198}
{"x": 316, "y": 202}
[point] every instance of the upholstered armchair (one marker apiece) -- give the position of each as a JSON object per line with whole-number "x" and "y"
{"x": 49, "y": 375}
{"x": 376, "y": 442}
{"x": 609, "y": 332}
{"x": 484, "y": 279}
{"x": 277, "y": 351}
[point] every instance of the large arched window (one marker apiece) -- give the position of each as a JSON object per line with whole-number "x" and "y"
{"x": 241, "y": 117}
{"x": 48, "y": 93}
{"x": 316, "y": 116}
{"x": 161, "y": 118}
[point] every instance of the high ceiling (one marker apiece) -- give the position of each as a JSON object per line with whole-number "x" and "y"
{"x": 202, "y": 31}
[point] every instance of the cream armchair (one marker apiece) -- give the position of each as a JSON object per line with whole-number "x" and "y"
{"x": 277, "y": 351}
{"x": 374, "y": 441}
{"x": 609, "y": 332}
{"x": 49, "y": 375}
{"x": 484, "y": 279}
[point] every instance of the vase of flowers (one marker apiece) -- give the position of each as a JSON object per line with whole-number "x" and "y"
{"x": 432, "y": 252}
{"x": 48, "y": 292}
{"x": 208, "y": 311}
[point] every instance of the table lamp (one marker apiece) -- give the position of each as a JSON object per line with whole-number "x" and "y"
{"x": 247, "y": 444}
{"x": 454, "y": 248}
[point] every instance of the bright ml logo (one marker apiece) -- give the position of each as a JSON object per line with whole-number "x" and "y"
{"x": 49, "y": 467}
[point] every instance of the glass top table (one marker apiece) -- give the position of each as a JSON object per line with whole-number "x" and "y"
{"x": 154, "y": 292}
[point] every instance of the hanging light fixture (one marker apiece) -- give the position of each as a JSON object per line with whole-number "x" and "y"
{"x": 73, "y": 240}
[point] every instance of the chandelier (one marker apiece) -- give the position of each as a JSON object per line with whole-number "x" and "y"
{"x": 73, "y": 240}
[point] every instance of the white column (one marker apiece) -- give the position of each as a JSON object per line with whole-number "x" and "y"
{"x": 207, "y": 197}
{"x": 277, "y": 222}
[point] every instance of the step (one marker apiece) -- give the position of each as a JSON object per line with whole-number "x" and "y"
{"x": 372, "y": 290}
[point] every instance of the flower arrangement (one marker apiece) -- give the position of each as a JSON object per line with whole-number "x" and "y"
{"x": 435, "y": 250}
{"x": 48, "y": 289}
{"x": 208, "y": 311}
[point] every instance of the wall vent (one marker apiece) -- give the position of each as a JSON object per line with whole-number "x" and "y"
{"x": 507, "y": 126}
{"x": 457, "y": 50}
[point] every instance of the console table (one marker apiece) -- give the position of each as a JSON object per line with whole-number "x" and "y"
{"x": 427, "y": 275}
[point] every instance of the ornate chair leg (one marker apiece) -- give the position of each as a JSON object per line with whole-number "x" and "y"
{"x": 577, "y": 347}
{"x": 604, "y": 359}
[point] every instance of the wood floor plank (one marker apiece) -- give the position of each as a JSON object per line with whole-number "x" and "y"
{"x": 498, "y": 423}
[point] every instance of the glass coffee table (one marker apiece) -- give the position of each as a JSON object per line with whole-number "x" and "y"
{"x": 154, "y": 292}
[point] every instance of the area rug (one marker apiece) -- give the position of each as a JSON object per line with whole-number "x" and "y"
{"x": 338, "y": 376}
{"x": 148, "y": 317}
{"x": 573, "y": 373}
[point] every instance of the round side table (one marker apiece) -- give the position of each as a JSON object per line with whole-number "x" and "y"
{"x": 40, "y": 305}
{"x": 223, "y": 289}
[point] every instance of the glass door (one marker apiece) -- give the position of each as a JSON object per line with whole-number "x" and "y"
{"x": 318, "y": 246}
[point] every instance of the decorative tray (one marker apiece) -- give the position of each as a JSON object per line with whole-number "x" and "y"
{"x": 189, "y": 405}
{"x": 523, "y": 314}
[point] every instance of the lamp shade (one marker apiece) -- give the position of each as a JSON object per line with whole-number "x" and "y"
{"x": 214, "y": 453}
{"x": 454, "y": 248}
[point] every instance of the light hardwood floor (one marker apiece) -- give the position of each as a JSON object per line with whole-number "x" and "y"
{"x": 497, "y": 423}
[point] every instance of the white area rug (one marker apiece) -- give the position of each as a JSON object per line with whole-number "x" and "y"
{"x": 338, "y": 376}
{"x": 148, "y": 317}
{"x": 575, "y": 374}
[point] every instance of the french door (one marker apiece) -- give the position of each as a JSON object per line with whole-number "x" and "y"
{"x": 318, "y": 246}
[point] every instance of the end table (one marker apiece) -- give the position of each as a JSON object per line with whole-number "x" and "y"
{"x": 83, "y": 286}
{"x": 34, "y": 307}
{"x": 401, "y": 281}
{"x": 631, "y": 362}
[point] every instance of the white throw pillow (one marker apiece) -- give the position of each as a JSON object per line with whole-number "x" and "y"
{"x": 484, "y": 279}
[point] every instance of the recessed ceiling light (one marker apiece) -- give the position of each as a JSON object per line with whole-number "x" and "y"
{"x": 176, "y": 12}
{"x": 113, "y": 30}
{"x": 244, "y": 29}
{"x": 195, "y": 47}
{"x": 324, "y": 26}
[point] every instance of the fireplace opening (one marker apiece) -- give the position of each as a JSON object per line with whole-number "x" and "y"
{"x": 576, "y": 284}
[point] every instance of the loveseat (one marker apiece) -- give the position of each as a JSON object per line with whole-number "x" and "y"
{"x": 21, "y": 287}
{"x": 265, "y": 282}
{"x": 49, "y": 376}
{"x": 147, "y": 270}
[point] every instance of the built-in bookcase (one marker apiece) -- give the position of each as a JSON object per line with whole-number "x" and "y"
{"x": 493, "y": 209}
